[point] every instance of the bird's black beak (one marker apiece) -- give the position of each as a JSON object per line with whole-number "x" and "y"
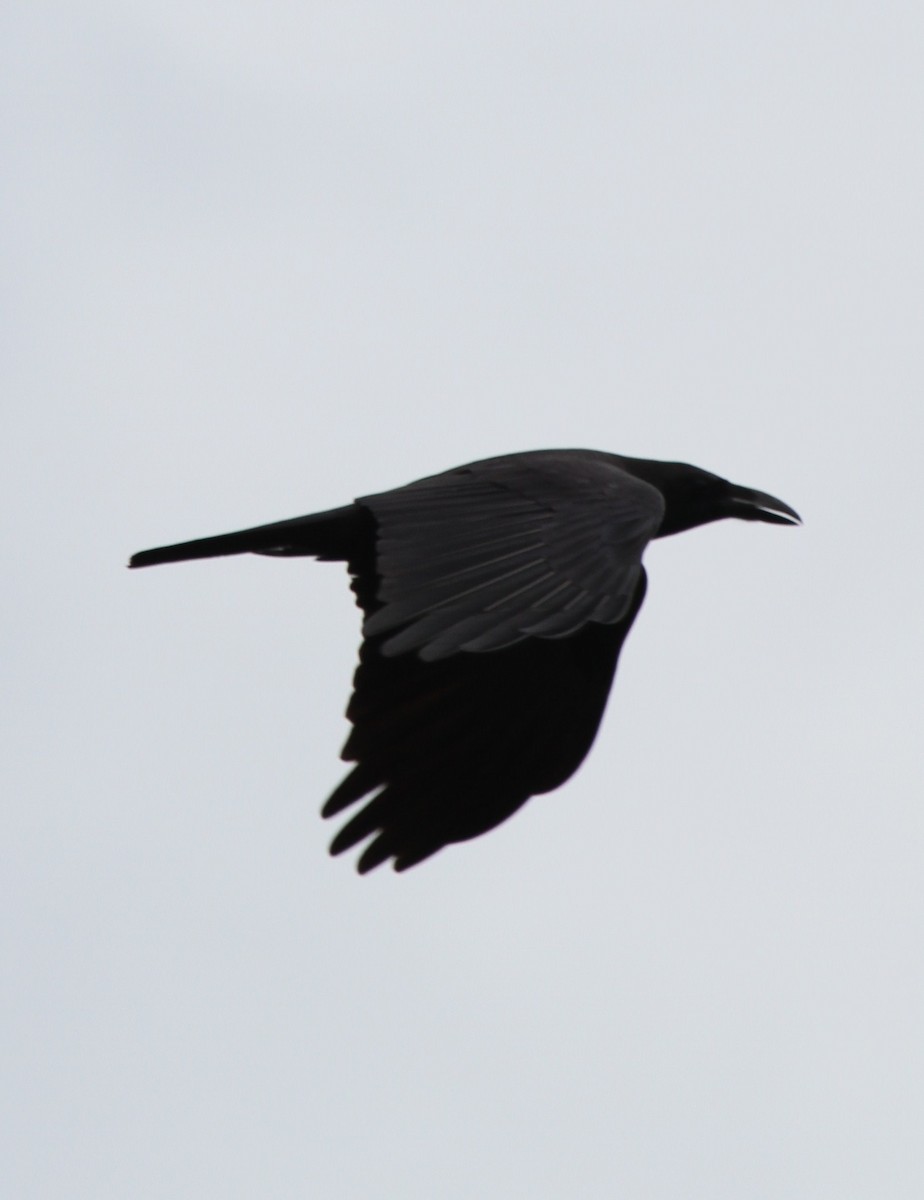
{"x": 750, "y": 505}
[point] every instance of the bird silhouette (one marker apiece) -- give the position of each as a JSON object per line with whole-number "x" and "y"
{"x": 496, "y": 599}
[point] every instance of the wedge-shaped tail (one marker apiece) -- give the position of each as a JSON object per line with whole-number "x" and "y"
{"x": 334, "y": 535}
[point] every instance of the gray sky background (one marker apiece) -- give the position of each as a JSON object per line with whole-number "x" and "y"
{"x": 261, "y": 258}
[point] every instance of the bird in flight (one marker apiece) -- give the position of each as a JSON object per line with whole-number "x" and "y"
{"x": 496, "y": 598}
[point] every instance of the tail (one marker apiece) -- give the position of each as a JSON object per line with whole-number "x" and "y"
{"x": 338, "y": 535}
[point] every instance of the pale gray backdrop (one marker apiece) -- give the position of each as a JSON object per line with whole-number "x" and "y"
{"x": 262, "y": 257}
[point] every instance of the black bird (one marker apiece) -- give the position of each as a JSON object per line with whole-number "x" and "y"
{"x": 496, "y": 599}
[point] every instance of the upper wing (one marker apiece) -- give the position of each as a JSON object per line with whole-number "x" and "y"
{"x": 534, "y": 545}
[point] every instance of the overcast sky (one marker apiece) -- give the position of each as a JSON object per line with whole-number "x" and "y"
{"x": 261, "y": 258}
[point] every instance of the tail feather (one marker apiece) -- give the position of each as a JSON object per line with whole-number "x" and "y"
{"x": 335, "y": 535}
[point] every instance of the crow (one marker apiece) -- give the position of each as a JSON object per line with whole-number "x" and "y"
{"x": 496, "y": 598}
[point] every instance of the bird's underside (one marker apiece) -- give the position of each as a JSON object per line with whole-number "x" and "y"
{"x": 496, "y": 599}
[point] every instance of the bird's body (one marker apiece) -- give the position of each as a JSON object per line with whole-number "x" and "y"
{"x": 496, "y": 599}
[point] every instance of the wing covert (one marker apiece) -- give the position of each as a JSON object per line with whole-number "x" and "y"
{"x": 482, "y": 557}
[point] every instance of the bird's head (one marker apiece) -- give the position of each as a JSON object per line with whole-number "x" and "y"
{"x": 695, "y": 497}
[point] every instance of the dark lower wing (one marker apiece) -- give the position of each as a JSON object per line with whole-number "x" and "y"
{"x": 446, "y": 750}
